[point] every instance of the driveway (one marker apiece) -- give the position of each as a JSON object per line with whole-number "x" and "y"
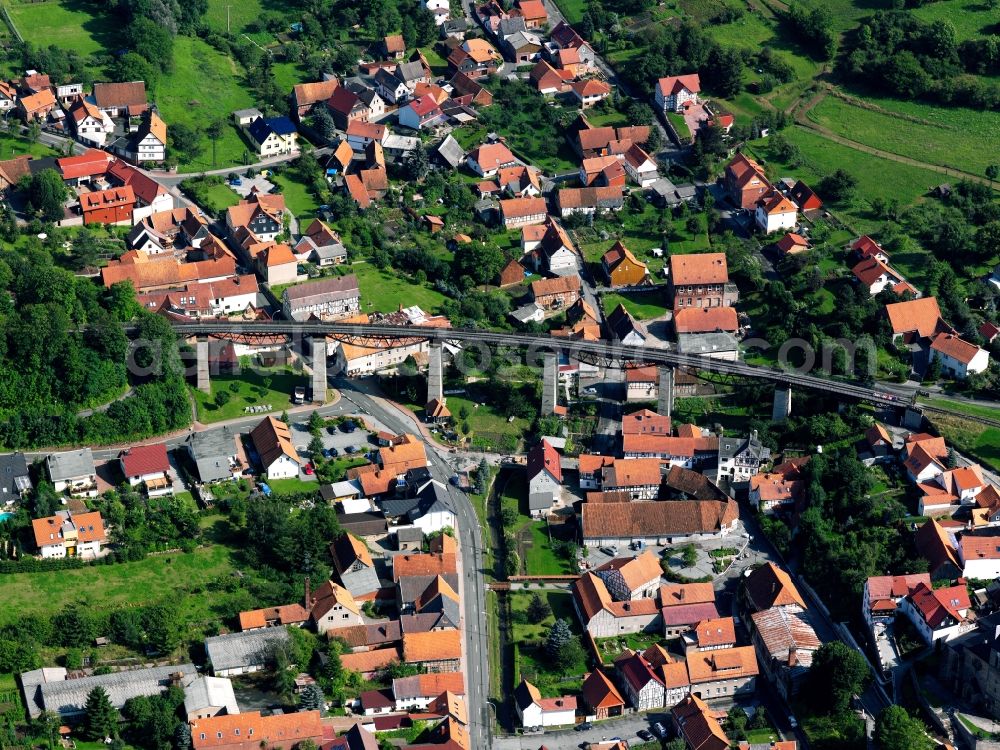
{"x": 624, "y": 728}
{"x": 694, "y": 116}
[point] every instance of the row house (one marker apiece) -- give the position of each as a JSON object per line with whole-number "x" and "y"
{"x": 557, "y": 293}
{"x": 328, "y": 299}
{"x": 701, "y": 280}
{"x": 602, "y": 616}
{"x": 589, "y": 200}
{"x": 521, "y": 212}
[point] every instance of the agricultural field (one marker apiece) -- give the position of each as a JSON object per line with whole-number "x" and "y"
{"x": 877, "y": 177}
{"x": 219, "y": 92}
{"x": 971, "y": 18}
{"x": 70, "y": 24}
{"x": 951, "y": 137}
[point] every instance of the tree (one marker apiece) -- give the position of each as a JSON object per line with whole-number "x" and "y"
{"x": 480, "y": 261}
{"x": 46, "y": 194}
{"x": 185, "y": 139}
{"x": 214, "y": 131}
{"x": 101, "y": 718}
{"x": 323, "y": 123}
{"x": 182, "y": 736}
{"x": 34, "y": 131}
{"x": 418, "y": 163}
{"x": 895, "y": 729}
{"x": 559, "y": 635}
{"x": 152, "y": 41}
{"x": 284, "y": 417}
{"x": 316, "y": 447}
{"x": 677, "y": 743}
{"x": 312, "y": 699}
{"x": 838, "y": 186}
{"x": 992, "y": 172}
{"x": 736, "y": 723}
{"x": 837, "y": 673}
{"x": 690, "y": 555}
{"x": 315, "y": 423}
{"x": 538, "y": 609}
{"x": 18, "y": 655}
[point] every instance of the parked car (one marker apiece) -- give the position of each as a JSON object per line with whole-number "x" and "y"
{"x": 326, "y": 453}
{"x": 645, "y": 735}
{"x": 265, "y": 489}
{"x": 350, "y": 449}
{"x": 334, "y": 452}
{"x": 309, "y": 469}
{"x": 611, "y": 551}
{"x": 299, "y": 395}
{"x": 660, "y": 731}
{"x": 348, "y": 426}
{"x": 583, "y": 727}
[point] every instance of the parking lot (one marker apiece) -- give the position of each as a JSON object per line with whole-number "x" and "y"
{"x": 360, "y": 440}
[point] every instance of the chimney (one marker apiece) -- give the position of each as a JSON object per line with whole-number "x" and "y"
{"x": 308, "y": 599}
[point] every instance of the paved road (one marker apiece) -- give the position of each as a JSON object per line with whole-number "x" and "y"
{"x": 472, "y": 586}
{"x": 173, "y": 179}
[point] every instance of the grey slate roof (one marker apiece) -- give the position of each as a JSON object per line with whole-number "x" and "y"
{"x": 411, "y": 587}
{"x": 47, "y": 689}
{"x": 202, "y": 692}
{"x": 242, "y": 650}
{"x": 71, "y": 464}
{"x": 14, "y": 477}
{"x": 706, "y": 343}
{"x": 211, "y": 451}
{"x": 451, "y": 151}
{"x": 730, "y": 447}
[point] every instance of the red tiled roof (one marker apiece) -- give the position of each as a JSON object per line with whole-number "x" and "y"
{"x": 675, "y": 84}
{"x": 952, "y": 346}
{"x": 544, "y": 457}
{"x": 698, "y": 268}
{"x": 145, "y": 459}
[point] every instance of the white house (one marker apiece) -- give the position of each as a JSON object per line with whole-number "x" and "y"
{"x": 980, "y": 556}
{"x": 938, "y": 614}
{"x": 675, "y": 92}
{"x": 875, "y": 275}
{"x": 147, "y": 465}
{"x": 73, "y": 472}
{"x": 274, "y": 136}
{"x": 391, "y": 88}
{"x": 69, "y": 534}
{"x": 435, "y": 509}
{"x": 640, "y": 167}
{"x": 91, "y": 124}
{"x": 544, "y": 478}
{"x": 775, "y": 213}
{"x": 150, "y": 143}
{"x": 535, "y": 711}
{"x": 488, "y": 159}
{"x": 958, "y": 357}
{"x": 273, "y": 443}
{"x": 440, "y": 8}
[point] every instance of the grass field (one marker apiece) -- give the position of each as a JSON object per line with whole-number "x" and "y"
{"x": 204, "y": 86}
{"x": 289, "y": 74}
{"x": 252, "y": 388}
{"x": 643, "y": 306}
{"x": 539, "y": 559}
{"x": 173, "y": 577}
{"x": 485, "y": 418}
{"x": 12, "y": 145}
{"x": 876, "y": 177}
{"x": 298, "y": 198}
{"x": 70, "y": 24}
{"x": 971, "y": 18}
{"x": 383, "y": 291}
{"x": 952, "y": 137}
{"x": 963, "y": 407}
{"x": 289, "y": 486}
{"x": 975, "y": 440}
{"x": 573, "y": 10}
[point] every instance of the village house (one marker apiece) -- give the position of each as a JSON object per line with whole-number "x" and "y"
{"x": 419, "y": 691}
{"x": 676, "y": 93}
{"x": 623, "y": 523}
{"x": 262, "y": 215}
{"x": 695, "y": 722}
{"x": 741, "y": 458}
{"x": 589, "y": 92}
{"x": 488, "y": 159}
{"x": 643, "y": 383}
{"x": 692, "y": 320}
{"x": 274, "y": 136}
{"x": 121, "y": 99}
{"x": 745, "y": 181}
{"x": 701, "y": 280}
{"x": 544, "y": 478}
{"x": 768, "y": 587}
{"x": 15, "y": 481}
{"x": 272, "y": 441}
{"x": 875, "y": 276}
{"x": 435, "y": 651}
{"x": 346, "y": 107}
{"x": 549, "y": 248}
{"x": 36, "y": 107}
{"x": 332, "y": 606}
{"x": 205, "y": 697}
{"x": 476, "y": 58}
{"x": 792, "y": 244}
{"x": 781, "y": 488}
{"x": 711, "y": 635}
{"x": 980, "y": 557}
{"x": 566, "y": 40}
{"x": 938, "y": 613}
{"x": 362, "y": 134}
{"x": 805, "y": 198}
{"x": 521, "y": 212}
{"x": 624, "y": 328}
{"x": 882, "y": 596}
{"x": 522, "y": 46}
{"x": 69, "y": 534}
{"x": 622, "y": 268}
{"x": 600, "y": 696}
{"x": 247, "y": 731}
{"x": 774, "y": 212}
{"x": 215, "y": 455}
{"x": 631, "y": 578}
{"x": 785, "y": 642}
{"x": 535, "y": 711}
{"x": 112, "y": 206}
{"x": 549, "y": 81}
{"x": 420, "y": 113}
{"x": 90, "y": 124}
{"x": 589, "y": 200}
{"x": 285, "y": 615}
{"x": 148, "y": 143}
{"x": 354, "y": 566}
{"x": 557, "y": 293}
{"x": 602, "y": 616}
{"x": 959, "y": 358}
{"x": 915, "y": 320}
{"x": 331, "y": 298}
{"x": 602, "y": 171}
{"x": 149, "y": 466}
{"x": 320, "y": 245}
{"x": 73, "y": 472}
{"x": 305, "y": 96}
{"x": 640, "y": 167}
{"x": 936, "y": 546}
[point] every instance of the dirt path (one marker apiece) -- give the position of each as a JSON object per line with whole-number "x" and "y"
{"x": 802, "y": 118}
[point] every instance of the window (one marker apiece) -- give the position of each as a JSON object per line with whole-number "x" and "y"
{"x": 203, "y": 735}
{"x": 236, "y": 732}
{"x": 219, "y": 735}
